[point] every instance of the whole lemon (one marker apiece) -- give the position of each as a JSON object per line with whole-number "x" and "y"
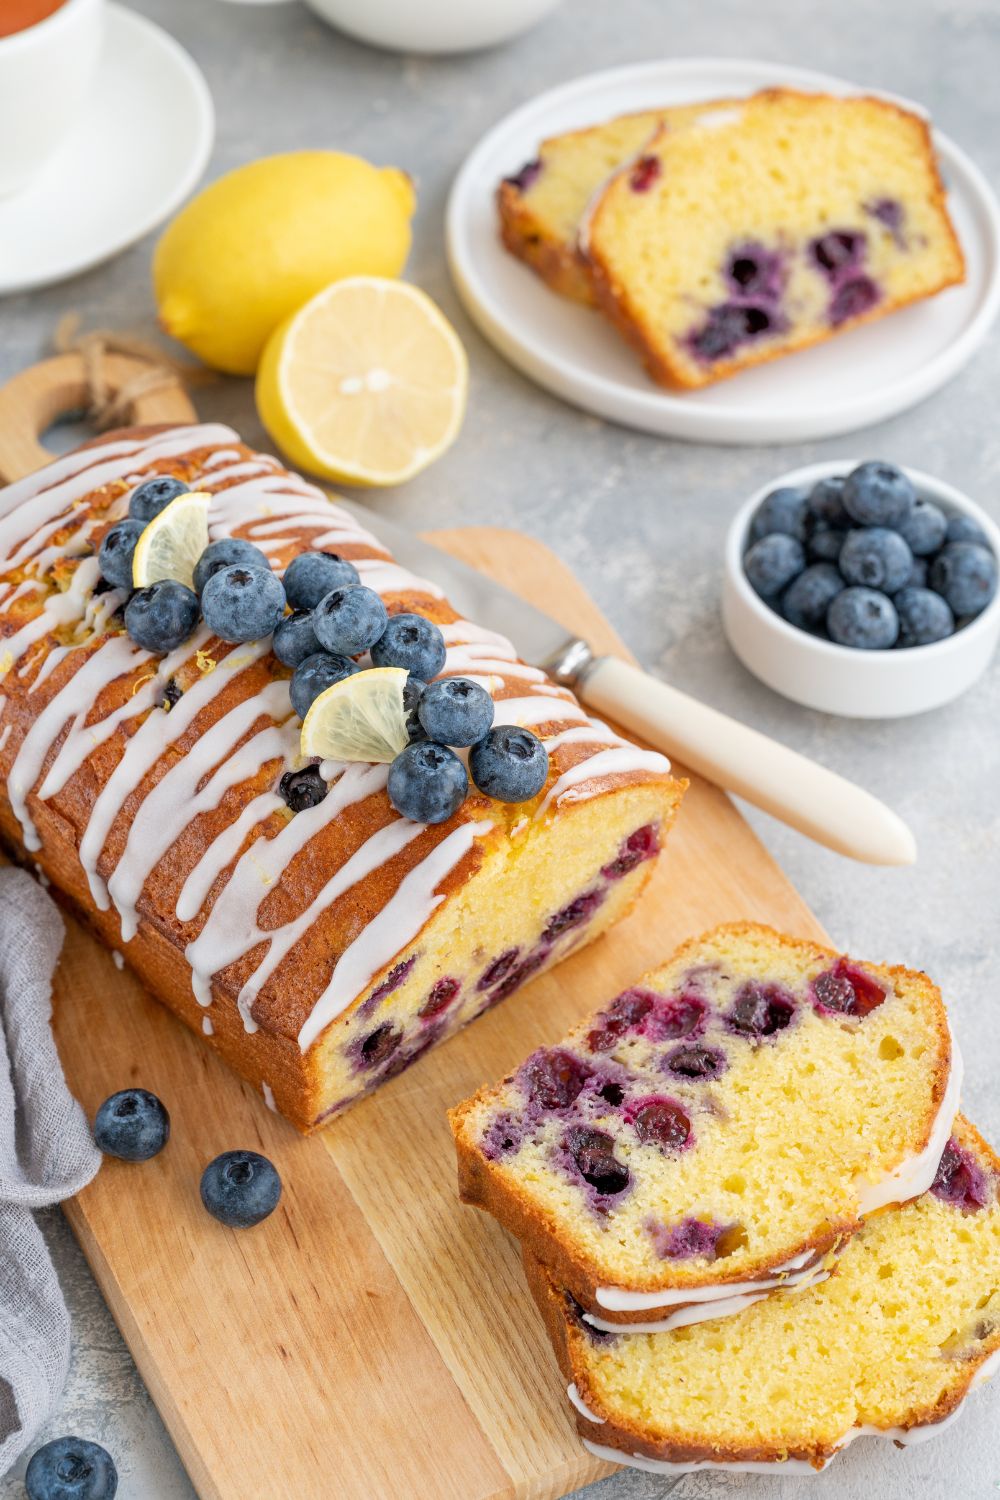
{"x": 256, "y": 244}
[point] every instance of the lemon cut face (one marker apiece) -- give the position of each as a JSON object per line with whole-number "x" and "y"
{"x": 362, "y": 717}
{"x": 172, "y": 543}
{"x": 366, "y": 384}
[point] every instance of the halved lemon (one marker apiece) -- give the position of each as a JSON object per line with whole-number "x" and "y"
{"x": 366, "y": 383}
{"x": 362, "y": 717}
{"x": 173, "y": 541}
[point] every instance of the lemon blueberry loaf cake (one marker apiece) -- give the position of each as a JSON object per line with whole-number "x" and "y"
{"x": 889, "y": 1345}
{"x": 772, "y": 225}
{"x": 151, "y": 763}
{"x": 718, "y": 1130}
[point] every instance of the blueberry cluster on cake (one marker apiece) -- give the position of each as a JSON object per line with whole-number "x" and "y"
{"x": 738, "y": 230}
{"x": 696, "y": 1142}
{"x": 321, "y": 922}
{"x": 889, "y": 1346}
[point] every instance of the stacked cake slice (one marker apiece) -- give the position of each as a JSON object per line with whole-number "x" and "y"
{"x": 743, "y": 1169}
{"x": 719, "y": 235}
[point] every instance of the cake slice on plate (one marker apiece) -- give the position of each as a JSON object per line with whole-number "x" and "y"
{"x": 890, "y": 1345}
{"x": 766, "y": 227}
{"x": 718, "y": 1130}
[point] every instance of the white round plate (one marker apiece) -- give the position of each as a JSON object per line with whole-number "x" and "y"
{"x": 138, "y": 150}
{"x": 849, "y": 382}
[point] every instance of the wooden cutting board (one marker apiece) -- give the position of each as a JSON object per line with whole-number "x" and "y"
{"x": 372, "y": 1340}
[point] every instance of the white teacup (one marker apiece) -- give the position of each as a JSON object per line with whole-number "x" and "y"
{"x": 45, "y": 75}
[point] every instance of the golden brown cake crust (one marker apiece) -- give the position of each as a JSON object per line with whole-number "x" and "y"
{"x": 481, "y": 1185}
{"x": 568, "y": 1338}
{"x": 271, "y": 1054}
{"x": 560, "y": 266}
{"x": 614, "y": 300}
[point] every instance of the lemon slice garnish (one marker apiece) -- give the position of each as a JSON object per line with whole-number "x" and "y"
{"x": 173, "y": 541}
{"x": 366, "y": 383}
{"x": 362, "y": 717}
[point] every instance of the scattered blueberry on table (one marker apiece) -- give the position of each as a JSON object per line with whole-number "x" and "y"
{"x": 240, "y": 1188}
{"x": 133, "y": 1125}
{"x": 862, "y": 560}
{"x": 70, "y": 1468}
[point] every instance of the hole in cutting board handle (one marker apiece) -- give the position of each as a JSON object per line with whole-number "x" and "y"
{"x": 42, "y": 396}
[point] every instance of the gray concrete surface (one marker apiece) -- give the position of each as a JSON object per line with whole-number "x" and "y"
{"x": 641, "y": 521}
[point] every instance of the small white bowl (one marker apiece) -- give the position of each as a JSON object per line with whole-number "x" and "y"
{"x": 841, "y": 679}
{"x": 434, "y": 26}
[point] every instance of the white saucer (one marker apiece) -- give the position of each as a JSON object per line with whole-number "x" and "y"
{"x": 852, "y": 381}
{"x": 139, "y": 149}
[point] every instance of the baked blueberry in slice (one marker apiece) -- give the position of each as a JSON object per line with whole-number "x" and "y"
{"x": 760, "y": 1010}
{"x": 639, "y": 846}
{"x": 660, "y": 1121}
{"x": 960, "y": 1179}
{"x": 302, "y": 789}
{"x": 552, "y": 1079}
{"x": 593, "y": 1153}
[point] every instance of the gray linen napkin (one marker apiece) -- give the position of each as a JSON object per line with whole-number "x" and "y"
{"x": 47, "y": 1153}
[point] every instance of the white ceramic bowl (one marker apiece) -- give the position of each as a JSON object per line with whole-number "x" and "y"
{"x": 433, "y": 25}
{"x": 840, "y": 679}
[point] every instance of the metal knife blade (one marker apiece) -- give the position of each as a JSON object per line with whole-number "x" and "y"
{"x": 537, "y": 637}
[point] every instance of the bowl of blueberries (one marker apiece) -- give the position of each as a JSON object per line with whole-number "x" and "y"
{"x": 863, "y": 589}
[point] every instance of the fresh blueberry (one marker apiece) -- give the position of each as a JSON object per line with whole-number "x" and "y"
{"x": 826, "y": 502}
{"x": 510, "y": 764}
{"x": 923, "y": 529}
{"x": 918, "y": 574}
{"x": 294, "y": 638}
{"x": 303, "y": 789}
{"x": 924, "y": 617}
{"x": 224, "y": 553}
{"x": 70, "y": 1468}
{"x": 878, "y": 494}
{"x": 966, "y": 575}
{"x": 413, "y": 691}
{"x": 242, "y": 604}
{"x": 133, "y": 1125}
{"x": 349, "y": 620}
{"x": 162, "y": 616}
{"x": 314, "y": 675}
{"x": 965, "y": 529}
{"x": 808, "y": 597}
{"x": 876, "y": 558}
{"x": 312, "y": 575}
{"x": 412, "y": 642}
{"x": 784, "y": 510}
{"x": 115, "y": 556}
{"x": 824, "y": 543}
{"x": 455, "y": 711}
{"x": 863, "y": 618}
{"x": 427, "y": 783}
{"x": 240, "y": 1188}
{"x": 155, "y": 495}
{"x": 772, "y": 563}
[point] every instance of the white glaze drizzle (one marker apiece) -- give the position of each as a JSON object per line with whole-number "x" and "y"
{"x": 267, "y": 1091}
{"x": 915, "y": 1175}
{"x": 396, "y": 924}
{"x": 620, "y": 1299}
{"x": 206, "y": 1026}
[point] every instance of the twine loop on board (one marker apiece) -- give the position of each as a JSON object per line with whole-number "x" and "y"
{"x": 106, "y": 406}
